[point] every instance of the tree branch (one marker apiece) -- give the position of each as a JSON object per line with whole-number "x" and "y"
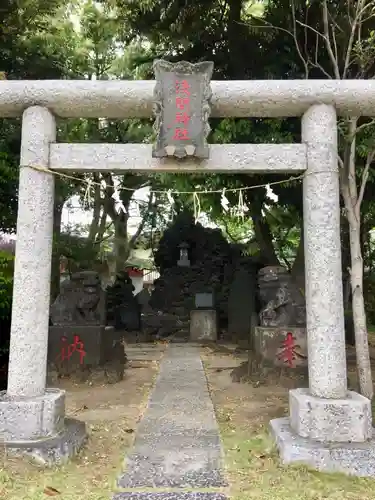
{"x": 328, "y": 41}
{"x": 135, "y": 236}
{"x": 365, "y": 174}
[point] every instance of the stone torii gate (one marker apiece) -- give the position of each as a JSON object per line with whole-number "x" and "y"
{"x": 329, "y": 427}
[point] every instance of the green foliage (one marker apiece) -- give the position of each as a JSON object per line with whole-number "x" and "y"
{"x": 79, "y": 253}
{"x": 6, "y": 283}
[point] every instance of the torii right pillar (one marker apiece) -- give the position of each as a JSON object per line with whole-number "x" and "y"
{"x": 329, "y": 428}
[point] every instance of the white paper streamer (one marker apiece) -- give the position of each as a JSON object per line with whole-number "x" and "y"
{"x": 170, "y": 197}
{"x": 87, "y": 196}
{"x": 224, "y": 201}
{"x": 241, "y": 208}
{"x": 119, "y": 206}
{"x": 197, "y": 207}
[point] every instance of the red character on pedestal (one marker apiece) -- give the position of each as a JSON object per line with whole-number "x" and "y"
{"x": 288, "y": 352}
{"x": 67, "y": 350}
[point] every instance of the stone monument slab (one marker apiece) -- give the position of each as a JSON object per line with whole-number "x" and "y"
{"x": 203, "y": 325}
{"x": 182, "y": 108}
{"x": 204, "y": 300}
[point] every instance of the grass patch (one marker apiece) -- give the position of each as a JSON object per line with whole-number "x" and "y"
{"x": 111, "y": 414}
{"x": 254, "y": 470}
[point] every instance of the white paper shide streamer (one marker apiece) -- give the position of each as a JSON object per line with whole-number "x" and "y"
{"x": 119, "y": 206}
{"x": 224, "y": 201}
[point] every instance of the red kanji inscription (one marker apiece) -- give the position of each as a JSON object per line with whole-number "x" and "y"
{"x": 67, "y": 350}
{"x": 181, "y": 134}
{"x": 288, "y": 352}
{"x": 182, "y": 118}
{"x": 182, "y": 102}
{"x": 182, "y": 87}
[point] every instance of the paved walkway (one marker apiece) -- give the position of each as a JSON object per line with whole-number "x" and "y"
{"x": 177, "y": 445}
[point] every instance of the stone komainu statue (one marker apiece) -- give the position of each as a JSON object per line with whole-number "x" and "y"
{"x": 283, "y": 304}
{"x": 81, "y": 301}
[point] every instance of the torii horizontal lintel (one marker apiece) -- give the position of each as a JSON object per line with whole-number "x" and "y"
{"x": 134, "y": 99}
{"x": 224, "y": 158}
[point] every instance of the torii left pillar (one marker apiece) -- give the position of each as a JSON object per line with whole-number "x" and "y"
{"x": 32, "y": 418}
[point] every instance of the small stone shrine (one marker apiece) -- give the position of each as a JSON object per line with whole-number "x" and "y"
{"x": 281, "y": 336}
{"x": 203, "y": 319}
{"x": 79, "y": 341}
{"x": 178, "y": 287}
{"x": 182, "y": 107}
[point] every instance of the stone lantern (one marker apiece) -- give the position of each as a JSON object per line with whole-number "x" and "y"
{"x": 184, "y": 255}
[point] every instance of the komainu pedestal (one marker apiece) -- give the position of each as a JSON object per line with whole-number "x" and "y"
{"x": 79, "y": 343}
{"x": 284, "y": 347}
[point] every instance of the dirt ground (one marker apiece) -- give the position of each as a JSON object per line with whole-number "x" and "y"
{"x": 111, "y": 413}
{"x": 243, "y": 412}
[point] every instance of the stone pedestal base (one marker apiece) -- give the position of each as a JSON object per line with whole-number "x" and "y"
{"x": 330, "y": 420}
{"x": 285, "y": 347}
{"x": 203, "y": 325}
{"x": 37, "y": 427}
{"x": 56, "y": 450}
{"x": 82, "y": 350}
{"x": 23, "y": 419}
{"x": 356, "y": 459}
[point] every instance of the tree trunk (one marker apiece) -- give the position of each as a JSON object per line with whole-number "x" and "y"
{"x": 94, "y": 226}
{"x": 359, "y": 312}
{"x": 121, "y": 243}
{"x": 263, "y": 236}
{"x": 101, "y": 229}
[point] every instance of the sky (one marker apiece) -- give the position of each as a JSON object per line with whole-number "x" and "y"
{"x": 73, "y": 214}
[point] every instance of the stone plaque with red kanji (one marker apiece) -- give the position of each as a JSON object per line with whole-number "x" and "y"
{"x": 283, "y": 346}
{"x": 182, "y": 109}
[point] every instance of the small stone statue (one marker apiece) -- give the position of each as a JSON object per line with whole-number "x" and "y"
{"x": 282, "y": 303}
{"x": 81, "y": 301}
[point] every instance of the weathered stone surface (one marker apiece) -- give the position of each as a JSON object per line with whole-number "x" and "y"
{"x": 242, "y": 98}
{"x": 56, "y": 450}
{"x": 285, "y": 347}
{"x": 81, "y": 301}
{"x": 204, "y": 300}
{"x": 356, "y": 459}
{"x": 324, "y": 291}
{"x": 283, "y": 304}
{"x": 32, "y": 270}
{"x": 330, "y": 420}
{"x": 23, "y": 419}
{"x": 182, "y": 108}
{"x": 79, "y": 350}
{"x": 203, "y": 325}
{"x": 230, "y": 158}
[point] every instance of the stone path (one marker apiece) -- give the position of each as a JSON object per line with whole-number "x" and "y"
{"x": 177, "y": 445}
